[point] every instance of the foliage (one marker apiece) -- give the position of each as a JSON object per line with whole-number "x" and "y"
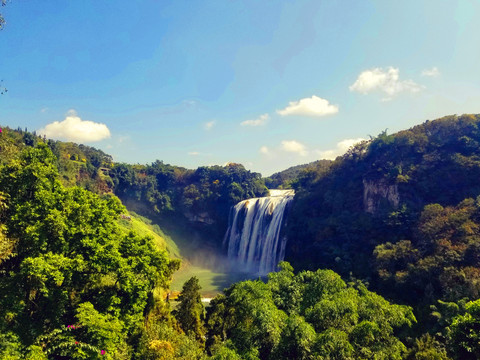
{"x": 160, "y": 341}
{"x": 78, "y": 165}
{"x": 190, "y": 311}
{"x": 464, "y": 334}
{"x": 64, "y": 258}
{"x": 402, "y": 212}
{"x": 159, "y": 191}
{"x": 10, "y": 346}
{"x": 443, "y": 256}
{"x": 71, "y": 260}
{"x": 225, "y": 351}
{"x": 166, "y": 188}
{"x": 435, "y": 162}
{"x": 297, "y": 175}
{"x": 330, "y": 319}
{"x": 427, "y": 348}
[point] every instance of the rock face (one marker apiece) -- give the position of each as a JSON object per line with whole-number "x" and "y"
{"x": 203, "y": 218}
{"x": 378, "y": 192}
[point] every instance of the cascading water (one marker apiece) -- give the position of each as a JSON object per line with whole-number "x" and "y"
{"x": 253, "y": 235}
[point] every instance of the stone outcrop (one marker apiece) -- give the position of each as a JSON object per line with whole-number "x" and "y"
{"x": 203, "y": 218}
{"x": 378, "y": 192}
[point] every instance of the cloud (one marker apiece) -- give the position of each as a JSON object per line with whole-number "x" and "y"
{"x": 73, "y": 128}
{"x": 209, "y": 125}
{"x": 44, "y": 110}
{"x": 383, "y": 80}
{"x": 340, "y": 149}
{"x": 261, "y": 120}
{"x": 314, "y": 106}
{"x": 197, "y": 153}
{"x": 264, "y": 150}
{"x": 433, "y": 72}
{"x": 295, "y": 147}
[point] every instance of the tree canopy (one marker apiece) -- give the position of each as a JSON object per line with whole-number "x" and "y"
{"x": 66, "y": 262}
{"x": 309, "y": 315}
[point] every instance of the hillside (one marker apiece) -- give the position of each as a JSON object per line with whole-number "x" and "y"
{"x": 284, "y": 179}
{"x": 79, "y": 283}
{"x": 183, "y": 210}
{"x": 144, "y": 227}
{"x": 78, "y": 164}
{"x": 379, "y": 213}
{"x": 399, "y": 213}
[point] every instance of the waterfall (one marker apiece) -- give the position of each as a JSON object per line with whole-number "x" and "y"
{"x": 253, "y": 235}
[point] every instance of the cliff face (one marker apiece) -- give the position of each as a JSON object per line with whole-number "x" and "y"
{"x": 378, "y": 192}
{"x": 202, "y": 217}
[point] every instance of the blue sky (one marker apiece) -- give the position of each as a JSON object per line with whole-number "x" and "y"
{"x": 269, "y": 84}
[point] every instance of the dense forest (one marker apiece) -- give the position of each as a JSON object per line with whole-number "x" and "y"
{"x": 197, "y": 199}
{"x": 398, "y": 215}
{"x": 400, "y": 211}
{"x": 201, "y": 197}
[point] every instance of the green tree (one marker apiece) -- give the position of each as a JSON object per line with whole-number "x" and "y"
{"x": 334, "y": 344}
{"x": 427, "y": 348}
{"x": 190, "y": 311}
{"x": 249, "y": 318}
{"x": 225, "y": 351}
{"x": 286, "y": 292}
{"x": 464, "y": 334}
{"x": 297, "y": 340}
{"x": 328, "y": 319}
{"x": 70, "y": 251}
{"x": 162, "y": 342}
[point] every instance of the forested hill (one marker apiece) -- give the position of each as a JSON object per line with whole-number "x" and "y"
{"x": 201, "y": 198}
{"x": 75, "y": 284}
{"x": 401, "y": 210}
{"x": 285, "y": 178}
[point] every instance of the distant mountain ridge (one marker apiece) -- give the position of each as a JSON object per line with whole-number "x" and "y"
{"x": 285, "y": 178}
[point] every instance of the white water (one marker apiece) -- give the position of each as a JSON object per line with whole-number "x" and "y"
{"x": 253, "y": 235}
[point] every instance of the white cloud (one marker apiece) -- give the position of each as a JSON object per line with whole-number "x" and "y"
{"x": 44, "y": 110}
{"x": 295, "y": 147}
{"x": 209, "y": 125}
{"x": 261, "y": 120}
{"x": 433, "y": 72}
{"x": 383, "y": 80}
{"x": 340, "y": 149}
{"x": 197, "y": 153}
{"x": 264, "y": 150}
{"x": 314, "y": 106}
{"x": 73, "y": 128}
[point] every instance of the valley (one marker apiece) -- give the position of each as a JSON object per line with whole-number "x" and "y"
{"x": 399, "y": 213}
{"x": 239, "y": 180}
